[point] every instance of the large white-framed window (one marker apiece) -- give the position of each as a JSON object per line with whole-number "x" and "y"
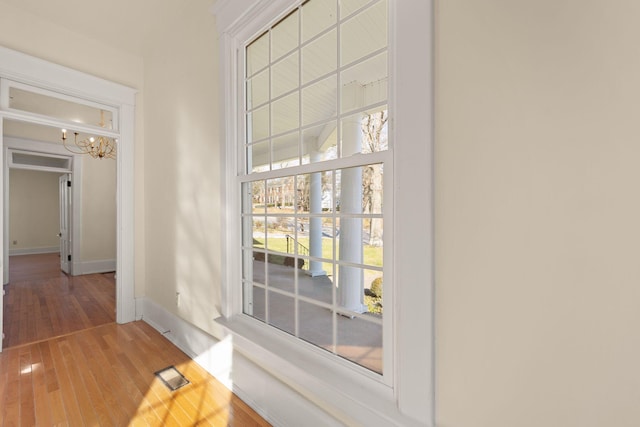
{"x": 268, "y": 180}
{"x": 315, "y": 178}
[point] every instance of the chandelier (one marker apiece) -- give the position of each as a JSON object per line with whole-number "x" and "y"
{"x": 100, "y": 147}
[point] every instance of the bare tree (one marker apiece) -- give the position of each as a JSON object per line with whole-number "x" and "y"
{"x": 374, "y": 139}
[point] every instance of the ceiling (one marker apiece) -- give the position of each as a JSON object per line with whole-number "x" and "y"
{"x": 131, "y": 24}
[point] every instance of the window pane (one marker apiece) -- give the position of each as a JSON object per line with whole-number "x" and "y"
{"x": 253, "y": 197}
{"x": 375, "y": 130}
{"x": 285, "y": 75}
{"x": 319, "y": 288}
{"x": 258, "y": 232}
{"x": 285, "y": 151}
{"x": 348, "y": 7}
{"x": 365, "y": 83}
{"x": 360, "y": 189}
{"x": 316, "y": 325}
{"x": 282, "y": 312}
{"x": 258, "y": 90}
{"x": 303, "y": 183}
{"x": 258, "y": 54}
{"x": 315, "y": 193}
{"x": 282, "y": 195}
{"x": 25, "y": 100}
{"x": 274, "y": 197}
{"x": 284, "y": 36}
{"x": 369, "y": 26}
{"x": 281, "y": 272}
{"x": 258, "y": 124}
{"x": 257, "y": 303}
{"x": 373, "y": 292}
{"x": 361, "y": 342}
{"x": 317, "y": 16}
{"x": 320, "y": 143}
{"x": 258, "y": 157}
{"x": 330, "y": 196}
{"x": 349, "y": 190}
{"x": 372, "y": 189}
{"x": 277, "y": 228}
{"x": 319, "y": 57}
{"x": 319, "y": 101}
{"x": 254, "y": 267}
{"x": 372, "y": 239}
{"x": 285, "y": 113}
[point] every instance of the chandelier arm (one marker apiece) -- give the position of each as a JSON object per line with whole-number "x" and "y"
{"x": 103, "y": 147}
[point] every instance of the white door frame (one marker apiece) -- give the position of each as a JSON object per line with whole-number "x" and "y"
{"x": 64, "y": 196}
{"x": 44, "y": 149}
{"x": 33, "y": 71}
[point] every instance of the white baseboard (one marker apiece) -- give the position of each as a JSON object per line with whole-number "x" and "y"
{"x": 93, "y": 267}
{"x": 34, "y": 251}
{"x": 273, "y": 400}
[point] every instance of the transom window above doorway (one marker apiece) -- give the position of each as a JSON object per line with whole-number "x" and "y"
{"x": 45, "y": 103}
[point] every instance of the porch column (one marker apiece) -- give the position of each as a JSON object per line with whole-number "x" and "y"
{"x": 351, "y": 279}
{"x": 315, "y": 223}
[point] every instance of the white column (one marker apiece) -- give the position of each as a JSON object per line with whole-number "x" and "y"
{"x": 350, "y": 279}
{"x": 315, "y": 223}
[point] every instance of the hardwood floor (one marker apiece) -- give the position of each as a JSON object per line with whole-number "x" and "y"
{"x": 104, "y": 376}
{"x": 41, "y": 302}
{"x": 67, "y": 363}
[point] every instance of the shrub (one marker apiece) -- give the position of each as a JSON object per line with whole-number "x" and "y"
{"x": 376, "y": 287}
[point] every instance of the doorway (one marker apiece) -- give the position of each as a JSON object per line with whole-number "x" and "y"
{"x": 31, "y": 75}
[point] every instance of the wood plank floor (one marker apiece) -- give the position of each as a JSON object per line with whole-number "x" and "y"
{"x": 41, "y": 302}
{"x": 104, "y": 376}
{"x": 66, "y": 363}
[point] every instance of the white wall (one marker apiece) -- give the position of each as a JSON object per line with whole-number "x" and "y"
{"x": 537, "y": 229}
{"x": 34, "y": 215}
{"x": 98, "y": 210}
{"x": 182, "y": 176}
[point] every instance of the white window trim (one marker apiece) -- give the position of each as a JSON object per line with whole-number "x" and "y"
{"x": 348, "y": 395}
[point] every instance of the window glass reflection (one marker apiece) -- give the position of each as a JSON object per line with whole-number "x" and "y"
{"x": 351, "y": 46}
{"x": 51, "y": 106}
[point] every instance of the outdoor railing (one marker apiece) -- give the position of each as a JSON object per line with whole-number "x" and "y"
{"x": 292, "y": 244}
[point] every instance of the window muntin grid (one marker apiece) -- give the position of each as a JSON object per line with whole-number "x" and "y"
{"x": 312, "y": 87}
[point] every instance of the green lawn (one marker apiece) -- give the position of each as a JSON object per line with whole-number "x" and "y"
{"x": 372, "y": 254}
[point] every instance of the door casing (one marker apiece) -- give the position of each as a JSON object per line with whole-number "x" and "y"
{"x": 29, "y": 70}
{"x": 64, "y": 197}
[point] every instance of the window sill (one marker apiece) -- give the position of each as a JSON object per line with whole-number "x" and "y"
{"x": 344, "y": 392}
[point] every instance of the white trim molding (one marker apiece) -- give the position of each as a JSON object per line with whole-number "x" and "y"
{"x": 34, "y": 251}
{"x": 94, "y": 267}
{"x": 349, "y": 397}
{"x": 27, "y": 70}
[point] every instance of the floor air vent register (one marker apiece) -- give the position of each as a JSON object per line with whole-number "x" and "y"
{"x": 172, "y": 378}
